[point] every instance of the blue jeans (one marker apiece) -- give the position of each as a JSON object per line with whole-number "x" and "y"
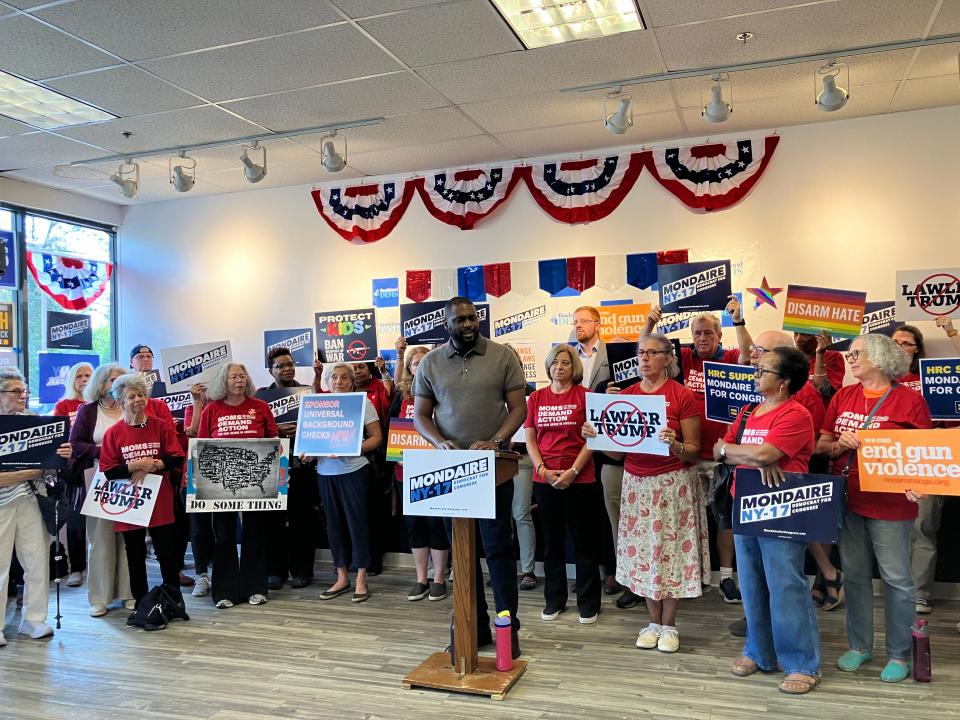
{"x": 522, "y": 500}
{"x": 781, "y": 624}
{"x": 861, "y": 540}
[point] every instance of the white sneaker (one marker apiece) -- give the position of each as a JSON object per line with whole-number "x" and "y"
{"x": 3, "y": 640}
{"x": 648, "y": 637}
{"x": 589, "y": 620}
{"x": 98, "y": 610}
{"x": 669, "y": 641}
{"x": 223, "y": 604}
{"x": 201, "y": 588}
{"x": 550, "y": 614}
{"x": 257, "y": 599}
{"x": 75, "y": 579}
{"x": 36, "y": 630}
{"x": 130, "y": 604}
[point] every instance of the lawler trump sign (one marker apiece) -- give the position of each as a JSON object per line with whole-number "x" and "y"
{"x": 627, "y": 423}
{"x": 927, "y": 461}
{"x": 449, "y": 483}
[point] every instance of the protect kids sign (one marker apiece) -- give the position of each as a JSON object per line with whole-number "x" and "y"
{"x": 346, "y": 335}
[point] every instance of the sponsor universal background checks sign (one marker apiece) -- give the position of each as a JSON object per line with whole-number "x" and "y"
{"x": 449, "y": 483}
{"x": 188, "y": 364}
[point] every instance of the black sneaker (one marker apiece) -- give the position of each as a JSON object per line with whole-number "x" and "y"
{"x": 419, "y": 591}
{"x": 274, "y": 582}
{"x": 628, "y": 599}
{"x": 438, "y": 591}
{"x": 730, "y": 592}
{"x": 738, "y": 628}
{"x": 549, "y": 613}
{"x": 300, "y": 582}
{"x": 528, "y": 581}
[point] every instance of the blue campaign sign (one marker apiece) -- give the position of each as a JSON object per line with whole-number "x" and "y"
{"x": 427, "y": 322}
{"x": 728, "y": 388}
{"x": 69, "y": 331}
{"x": 29, "y": 442}
{"x": 694, "y": 287}
{"x": 54, "y": 369}
{"x": 805, "y": 508}
{"x": 386, "y": 292}
{"x": 940, "y": 385}
{"x": 8, "y": 260}
{"x": 330, "y": 424}
{"x": 878, "y": 317}
{"x": 299, "y": 341}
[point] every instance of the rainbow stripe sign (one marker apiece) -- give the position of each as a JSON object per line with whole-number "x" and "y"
{"x": 812, "y": 309}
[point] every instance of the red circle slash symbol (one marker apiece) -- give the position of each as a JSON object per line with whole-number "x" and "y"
{"x": 105, "y": 499}
{"x": 951, "y": 286}
{"x": 358, "y": 350}
{"x": 612, "y": 429}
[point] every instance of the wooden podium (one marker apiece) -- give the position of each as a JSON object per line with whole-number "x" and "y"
{"x": 473, "y": 674}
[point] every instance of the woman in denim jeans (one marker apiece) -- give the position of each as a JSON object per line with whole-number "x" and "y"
{"x": 777, "y": 438}
{"x": 877, "y": 525}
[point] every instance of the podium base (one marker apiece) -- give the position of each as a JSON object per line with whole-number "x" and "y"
{"x": 437, "y": 673}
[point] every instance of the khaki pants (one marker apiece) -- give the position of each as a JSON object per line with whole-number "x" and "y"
{"x": 21, "y": 525}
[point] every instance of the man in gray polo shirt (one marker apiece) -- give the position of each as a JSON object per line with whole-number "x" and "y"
{"x": 469, "y": 395}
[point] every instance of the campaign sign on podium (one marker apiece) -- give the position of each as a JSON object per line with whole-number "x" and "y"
{"x": 449, "y": 483}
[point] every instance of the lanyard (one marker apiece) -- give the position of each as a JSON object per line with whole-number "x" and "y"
{"x": 866, "y": 424}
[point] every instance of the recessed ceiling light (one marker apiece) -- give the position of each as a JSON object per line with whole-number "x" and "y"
{"x": 548, "y": 22}
{"x": 42, "y": 108}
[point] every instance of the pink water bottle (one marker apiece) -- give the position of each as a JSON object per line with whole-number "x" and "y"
{"x": 503, "y": 626}
{"x": 921, "y": 652}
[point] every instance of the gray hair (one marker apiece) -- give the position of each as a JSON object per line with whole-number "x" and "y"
{"x": 217, "y": 389}
{"x": 706, "y": 317}
{"x": 673, "y": 367}
{"x": 70, "y": 393}
{"x": 576, "y": 365}
{"x": 328, "y": 371}
{"x": 10, "y": 374}
{"x": 128, "y": 381}
{"x": 884, "y": 353}
{"x": 93, "y": 393}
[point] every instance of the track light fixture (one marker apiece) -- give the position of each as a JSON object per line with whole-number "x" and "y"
{"x": 127, "y": 178}
{"x": 184, "y": 175}
{"x": 332, "y": 160}
{"x": 717, "y": 110}
{"x": 251, "y": 170}
{"x": 833, "y": 96}
{"x": 621, "y": 119}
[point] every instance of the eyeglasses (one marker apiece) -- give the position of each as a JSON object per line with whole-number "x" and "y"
{"x": 144, "y": 356}
{"x": 651, "y": 353}
{"x": 902, "y": 344}
{"x": 236, "y": 377}
{"x": 851, "y": 356}
{"x": 758, "y": 349}
{"x": 283, "y": 366}
{"x": 759, "y": 372}
{"x": 22, "y": 391}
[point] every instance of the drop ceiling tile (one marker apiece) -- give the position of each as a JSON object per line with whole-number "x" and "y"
{"x": 124, "y": 91}
{"x": 929, "y": 92}
{"x": 37, "y": 150}
{"x": 438, "y": 34}
{"x": 163, "y": 130}
{"x": 937, "y": 60}
{"x": 948, "y": 19}
{"x": 661, "y": 13}
{"x": 9, "y": 126}
{"x": 449, "y": 154}
{"x": 795, "y": 31}
{"x": 35, "y": 51}
{"x": 365, "y": 8}
{"x": 550, "y": 68}
{"x": 26, "y": 4}
{"x": 293, "y": 61}
{"x": 552, "y": 109}
{"x": 140, "y": 29}
{"x": 590, "y": 136}
{"x": 394, "y": 94}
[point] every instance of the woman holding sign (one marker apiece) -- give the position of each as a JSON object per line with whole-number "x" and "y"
{"x": 662, "y": 552}
{"x": 777, "y": 436}
{"x": 876, "y": 525}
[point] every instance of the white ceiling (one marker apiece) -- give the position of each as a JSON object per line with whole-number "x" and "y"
{"x": 453, "y": 83}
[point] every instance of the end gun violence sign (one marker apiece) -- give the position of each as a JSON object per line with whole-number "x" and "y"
{"x": 893, "y": 461}
{"x": 627, "y": 423}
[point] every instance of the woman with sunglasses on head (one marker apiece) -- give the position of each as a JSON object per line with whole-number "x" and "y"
{"x": 876, "y": 525}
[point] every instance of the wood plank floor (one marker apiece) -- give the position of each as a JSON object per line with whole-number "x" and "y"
{"x": 297, "y": 657}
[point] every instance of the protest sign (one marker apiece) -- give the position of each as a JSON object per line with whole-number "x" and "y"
{"x": 928, "y": 294}
{"x": 155, "y": 386}
{"x": 927, "y": 461}
{"x": 878, "y": 317}
{"x": 6, "y": 325}
{"x": 694, "y": 287}
{"x": 940, "y": 386}
{"x": 69, "y": 331}
{"x": 299, "y": 341}
{"x": 122, "y": 500}
{"x": 386, "y": 292}
{"x": 55, "y": 369}
{"x": 8, "y": 260}
{"x": 804, "y": 508}
{"x": 426, "y": 323}
{"x": 346, "y": 335}
{"x": 728, "y": 388}
{"x": 522, "y": 319}
{"x": 812, "y": 309}
{"x": 284, "y": 402}
{"x": 449, "y": 483}
{"x": 229, "y": 474}
{"x": 330, "y": 424}
{"x": 675, "y": 322}
{"x": 188, "y": 364}
{"x": 624, "y": 365}
{"x": 623, "y": 323}
{"x": 176, "y": 402}
{"x": 401, "y": 436}
{"x": 30, "y": 442}
{"x": 627, "y": 423}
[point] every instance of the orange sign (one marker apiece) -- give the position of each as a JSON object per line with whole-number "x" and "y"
{"x": 401, "y": 436}
{"x": 622, "y": 323}
{"x": 926, "y": 461}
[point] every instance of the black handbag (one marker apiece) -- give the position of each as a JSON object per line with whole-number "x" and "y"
{"x": 719, "y": 493}
{"x": 54, "y": 509}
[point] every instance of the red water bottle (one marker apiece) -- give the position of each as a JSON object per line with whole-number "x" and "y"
{"x": 921, "y": 652}
{"x": 503, "y": 626}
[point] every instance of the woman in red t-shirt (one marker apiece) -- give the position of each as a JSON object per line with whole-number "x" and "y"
{"x": 876, "y": 525}
{"x": 564, "y": 485}
{"x": 137, "y": 445}
{"x": 777, "y": 437}
{"x": 910, "y": 341}
{"x": 663, "y": 553}
{"x": 72, "y": 398}
{"x": 234, "y": 412}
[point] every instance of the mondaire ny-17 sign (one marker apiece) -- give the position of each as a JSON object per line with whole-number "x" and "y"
{"x": 449, "y": 483}
{"x": 28, "y": 442}
{"x": 189, "y": 364}
{"x": 237, "y": 474}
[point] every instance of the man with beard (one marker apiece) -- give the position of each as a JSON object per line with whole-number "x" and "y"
{"x": 469, "y": 394}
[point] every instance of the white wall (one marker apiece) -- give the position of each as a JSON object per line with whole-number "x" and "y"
{"x": 37, "y": 197}
{"x": 843, "y": 204}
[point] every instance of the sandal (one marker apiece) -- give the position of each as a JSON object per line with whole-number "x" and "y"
{"x": 744, "y": 666}
{"x": 818, "y": 593}
{"x": 798, "y": 683}
{"x": 830, "y": 602}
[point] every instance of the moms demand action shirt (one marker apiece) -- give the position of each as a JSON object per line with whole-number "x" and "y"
{"x": 788, "y": 427}
{"x": 681, "y": 404}
{"x": 250, "y": 419}
{"x": 558, "y": 420}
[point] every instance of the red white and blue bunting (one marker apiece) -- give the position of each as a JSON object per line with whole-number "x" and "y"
{"x": 364, "y": 213}
{"x": 463, "y": 198}
{"x": 73, "y": 283}
{"x": 715, "y": 176}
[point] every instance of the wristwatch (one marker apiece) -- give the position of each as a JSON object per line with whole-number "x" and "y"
{"x": 497, "y": 439}
{"x": 742, "y": 323}
{"x": 723, "y": 450}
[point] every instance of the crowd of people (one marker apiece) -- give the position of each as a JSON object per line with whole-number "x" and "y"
{"x": 638, "y": 522}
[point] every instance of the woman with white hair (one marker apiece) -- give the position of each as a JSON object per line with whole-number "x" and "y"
{"x": 876, "y": 525}
{"x": 72, "y": 399}
{"x": 344, "y": 484}
{"x": 234, "y": 412}
{"x": 21, "y": 523}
